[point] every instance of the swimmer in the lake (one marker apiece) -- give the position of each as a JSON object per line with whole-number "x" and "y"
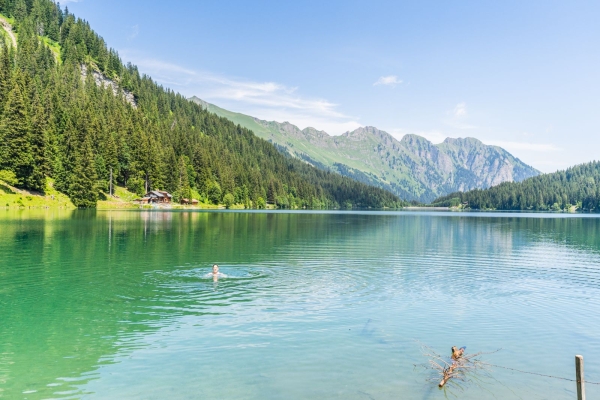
{"x": 216, "y": 274}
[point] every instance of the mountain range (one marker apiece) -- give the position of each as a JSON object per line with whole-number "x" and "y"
{"x": 412, "y": 168}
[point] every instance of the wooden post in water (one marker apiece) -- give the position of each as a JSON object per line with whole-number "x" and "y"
{"x": 579, "y": 377}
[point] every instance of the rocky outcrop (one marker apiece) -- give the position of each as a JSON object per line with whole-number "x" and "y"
{"x": 103, "y": 81}
{"x": 8, "y": 28}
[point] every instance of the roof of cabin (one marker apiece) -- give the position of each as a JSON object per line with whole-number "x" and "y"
{"x": 159, "y": 193}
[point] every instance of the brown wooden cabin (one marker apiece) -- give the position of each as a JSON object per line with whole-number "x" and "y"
{"x": 158, "y": 196}
{"x": 188, "y": 201}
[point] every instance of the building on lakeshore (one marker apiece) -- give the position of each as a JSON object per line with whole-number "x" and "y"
{"x": 188, "y": 201}
{"x": 155, "y": 196}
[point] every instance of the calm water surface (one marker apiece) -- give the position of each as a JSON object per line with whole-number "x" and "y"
{"x": 107, "y": 305}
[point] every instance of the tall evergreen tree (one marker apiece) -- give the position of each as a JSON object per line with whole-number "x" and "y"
{"x": 15, "y": 138}
{"x": 20, "y": 10}
{"x": 5, "y": 74}
{"x": 64, "y": 163}
{"x": 82, "y": 188}
{"x": 38, "y": 145}
{"x": 183, "y": 190}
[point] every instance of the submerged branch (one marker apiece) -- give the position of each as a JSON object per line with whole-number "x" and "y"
{"x": 459, "y": 367}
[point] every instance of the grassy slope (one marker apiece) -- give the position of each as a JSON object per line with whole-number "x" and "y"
{"x": 240, "y": 119}
{"x": 123, "y": 199}
{"x": 11, "y": 197}
{"x": 10, "y": 20}
{"x": 54, "y": 46}
{"x": 14, "y": 198}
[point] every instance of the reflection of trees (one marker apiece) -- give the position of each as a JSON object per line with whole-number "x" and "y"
{"x": 495, "y": 235}
{"x": 465, "y": 254}
{"x": 579, "y": 233}
{"x": 69, "y": 289}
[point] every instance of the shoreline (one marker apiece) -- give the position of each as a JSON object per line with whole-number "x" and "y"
{"x": 416, "y": 208}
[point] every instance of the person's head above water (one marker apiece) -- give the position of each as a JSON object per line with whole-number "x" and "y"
{"x": 215, "y": 269}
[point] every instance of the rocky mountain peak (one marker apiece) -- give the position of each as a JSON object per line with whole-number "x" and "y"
{"x": 312, "y": 132}
{"x": 464, "y": 142}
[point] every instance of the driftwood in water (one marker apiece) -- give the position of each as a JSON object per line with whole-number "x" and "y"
{"x": 448, "y": 373}
{"x": 458, "y": 361}
{"x": 458, "y": 366}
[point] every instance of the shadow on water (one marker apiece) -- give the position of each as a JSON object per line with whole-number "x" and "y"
{"x": 371, "y": 333}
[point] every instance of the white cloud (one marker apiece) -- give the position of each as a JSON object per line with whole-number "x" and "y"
{"x": 161, "y": 66}
{"x": 458, "y": 117}
{"x": 542, "y": 156}
{"x": 135, "y": 30}
{"x": 524, "y": 146}
{"x": 264, "y": 100}
{"x": 391, "y": 80}
{"x": 460, "y": 111}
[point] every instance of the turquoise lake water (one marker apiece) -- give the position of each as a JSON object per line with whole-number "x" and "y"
{"x": 331, "y": 305}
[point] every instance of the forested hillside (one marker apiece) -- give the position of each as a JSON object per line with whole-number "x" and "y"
{"x": 72, "y": 111}
{"x": 577, "y": 186}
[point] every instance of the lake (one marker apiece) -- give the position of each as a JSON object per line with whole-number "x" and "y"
{"x": 332, "y": 305}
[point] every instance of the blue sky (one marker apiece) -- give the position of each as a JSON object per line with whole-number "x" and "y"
{"x": 521, "y": 75}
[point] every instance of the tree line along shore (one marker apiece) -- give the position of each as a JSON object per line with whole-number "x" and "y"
{"x": 574, "y": 189}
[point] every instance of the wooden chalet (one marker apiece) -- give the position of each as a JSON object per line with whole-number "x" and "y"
{"x": 155, "y": 196}
{"x": 159, "y": 196}
{"x": 188, "y": 201}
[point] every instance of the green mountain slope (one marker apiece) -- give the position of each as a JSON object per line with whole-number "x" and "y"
{"x": 413, "y": 168}
{"x": 72, "y": 111}
{"x": 577, "y": 187}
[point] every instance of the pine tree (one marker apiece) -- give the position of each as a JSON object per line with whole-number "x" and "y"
{"x": 20, "y": 11}
{"x": 5, "y": 75}
{"x": 111, "y": 157}
{"x": 38, "y": 146}
{"x": 15, "y": 138}
{"x": 65, "y": 161}
{"x": 82, "y": 189}
{"x": 183, "y": 184}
